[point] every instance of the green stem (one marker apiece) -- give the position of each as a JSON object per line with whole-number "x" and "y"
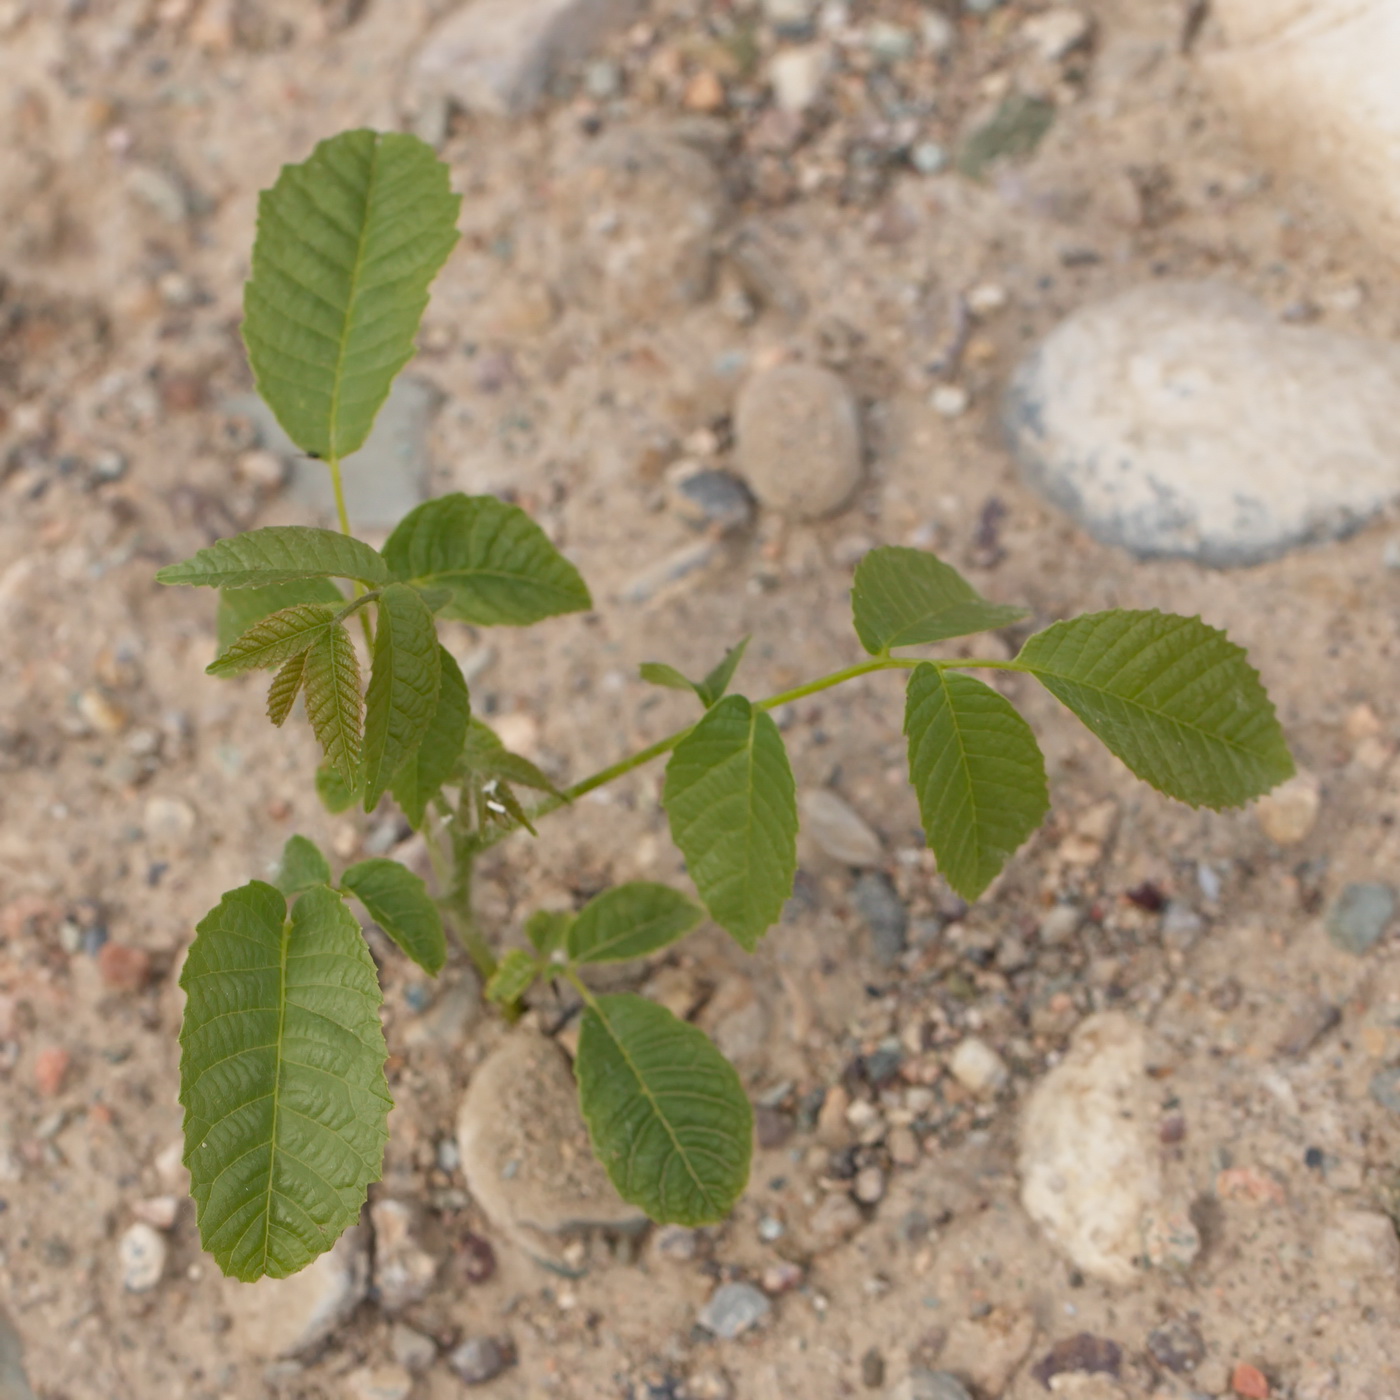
{"x": 454, "y": 879}
{"x": 664, "y": 746}
{"x": 572, "y": 977}
{"x": 338, "y": 486}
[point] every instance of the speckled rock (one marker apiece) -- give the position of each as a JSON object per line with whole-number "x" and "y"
{"x": 1183, "y": 420}
{"x": 797, "y": 440}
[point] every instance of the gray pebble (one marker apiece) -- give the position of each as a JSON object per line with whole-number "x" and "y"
{"x": 929, "y": 158}
{"x": 1385, "y": 1088}
{"x": 13, "y": 1383}
{"x": 884, "y": 913}
{"x": 480, "y": 1359}
{"x": 733, "y": 1309}
{"x": 713, "y": 497}
{"x": 1358, "y": 916}
{"x": 929, "y": 1385}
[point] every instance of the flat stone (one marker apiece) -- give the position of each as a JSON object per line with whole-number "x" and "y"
{"x": 835, "y": 826}
{"x": 733, "y": 1309}
{"x": 1183, "y": 420}
{"x": 498, "y": 56}
{"x": 383, "y": 481}
{"x": 797, "y": 440}
{"x": 1088, "y": 1160}
{"x": 1359, "y": 916}
{"x": 141, "y": 1252}
{"x": 291, "y": 1316}
{"x": 526, "y": 1155}
{"x": 14, "y": 1384}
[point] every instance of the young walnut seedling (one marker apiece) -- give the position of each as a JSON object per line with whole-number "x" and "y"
{"x": 282, "y": 1071}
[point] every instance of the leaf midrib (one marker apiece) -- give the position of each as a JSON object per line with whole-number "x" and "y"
{"x": 966, "y": 771}
{"x": 285, "y": 944}
{"x": 355, "y": 274}
{"x": 651, "y": 1099}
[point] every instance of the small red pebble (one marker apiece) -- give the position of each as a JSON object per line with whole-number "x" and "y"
{"x": 51, "y": 1069}
{"x": 1249, "y": 1381}
{"x": 124, "y": 968}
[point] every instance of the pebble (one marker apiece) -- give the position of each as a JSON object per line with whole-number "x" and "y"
{"x": 714, "y": 498}
{"x": 938, "y": 32}
{"x": 1358, "y": 917}
{"x": 169, "y": 822}
{"x": 14, "y": 1384}
{"x": 290, "y": 1317}
{"x": 162, "y": 194}
{"x": 480, "y": 1359}
{"x": 51, "y": 1070}
{"x": 838, "y": 829}
{"x": 1060, "y": 925}
{"x": 929, "y": 158}
{"x": 782, "y": 1277}
{"x": 835, "y": 1221}
{"x": 1177, "y": 1345}
{"x": 869, "y": 1186}
{"x": 404, "y": 1271}
{"x": 929, "y": 1385}
{"x": 879, "y": 904}
{"x": 1182, "y": 420}
{"x": 141, "y": 1255}
{"x": 498, "y": 56}
{"x": 1288, "y": 814}
{"x": 261, "y": 468}
{"x": 159, "y": 1212}
{"x": 602, "y": 79}
{"x": 733, "y": 1309}
{"x": 1249, "y": 1382}
{"x": 791, "y": 18}
{"x": 413, "y": 1350}
{"x": 1170, "y": 1239}
{"x": 831, "y": 1118}
{"x": 904, "y": 1147}
{"x": 704, "y": 92}
{"x": 977, "y": 1067}
{"x": 378, "y": 1383}
{"x": 950, "y": 400}
{"x": 124, "y": 968}
{"x": 798, "y": 76}
{"x": 1083, "y": 1354}
{"x": 525, "y": 1151}
{"x": 1089, "y": 1167}
{"x": 102, "y": 714}
{"x": 797, "y": 440}
{"x": 889, "y": 43}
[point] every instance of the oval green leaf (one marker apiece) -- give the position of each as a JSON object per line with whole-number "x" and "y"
{"x": 403, "y": 686}
{"x": 302, "y": 866}
{"x": 630, "y": 921}
{"x": 978, "y": 773}
{"x": 1175, "y": 699}
{"x": 399, "y": 902}
{"x": 908, "y": 597}
{"x": 666, "y": 1111}
{"x": 286, "y": 685}
{"x": 732, "y": 805}
{"x": 281, "y": 1078}
{"x": 430, "y": 765}
{"x": 498, "y": 564}
{"x": 347, "y": 244}
{"x": 278, "y": 554}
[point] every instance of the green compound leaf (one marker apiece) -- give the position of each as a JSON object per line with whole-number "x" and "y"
{"x": 278, "y": 554}
{"x": 659, "y": 673}
{"x": 335, "y": 793}
{"x": 430, "y": 765}
{"x": 908, "y": 597}
{"x": 301, "y": 867}
{"x": 286, "y": 685}
{"x": 240, "y": 608}
{"x": 732, "y": 804}
{"x": 274, "y": 640}
{"x": 347, "y": 245}
{"x": 978, "y": 773}
{"x": 333, "y": 702}
{"x": 512, "y": 977}
{"x": 711, "y": 689}
{"x": 1176, "y": 700}
{"x": 630, "y": 921}
{"x": 403, "y": 687}
{"x": 399, "y": 902}
{"x": 281, "y": 1078}
{"x": 548, "y": 930}
{"x": 499, "y": 565}
{"x": 666, "y": 1111}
